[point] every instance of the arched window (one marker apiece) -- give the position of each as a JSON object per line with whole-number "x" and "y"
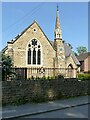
{"x": 39, "y": 56}
{"x": 70, "y": 70}
{"x": 34, "y": 53}
{"x": 70, "y": 66}
{"x": 29, "y": 56}
{"x": 34, "y": 56}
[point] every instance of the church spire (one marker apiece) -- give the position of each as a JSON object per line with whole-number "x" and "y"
{"x": 57, "y": 19}
{"x": 58, "y": 32}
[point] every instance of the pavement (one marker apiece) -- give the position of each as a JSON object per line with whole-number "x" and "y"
{"x": 9, "y": 112}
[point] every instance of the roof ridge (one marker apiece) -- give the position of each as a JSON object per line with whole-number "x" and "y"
{"x": 20, "y": 34}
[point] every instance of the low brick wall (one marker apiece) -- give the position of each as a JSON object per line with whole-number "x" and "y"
{"x": 41, "y": 90}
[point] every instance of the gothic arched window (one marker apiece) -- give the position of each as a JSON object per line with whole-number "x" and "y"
{"x": 34, "y": 53}
{"x": 29, "y": 56}
{"x": 39, "y": 56}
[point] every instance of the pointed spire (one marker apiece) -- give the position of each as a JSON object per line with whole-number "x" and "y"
{"x": 57, "y": 19}
{"x": 57, "y": 7}
{"x": 58, "y": 31}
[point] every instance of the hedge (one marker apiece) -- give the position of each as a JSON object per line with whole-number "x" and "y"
{"x": 83, "y": 76}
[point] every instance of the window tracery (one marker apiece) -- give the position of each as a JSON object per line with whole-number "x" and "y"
{"x": 34, "y": 52}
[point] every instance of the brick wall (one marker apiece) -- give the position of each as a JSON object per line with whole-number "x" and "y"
{"x": 41, "y": 90}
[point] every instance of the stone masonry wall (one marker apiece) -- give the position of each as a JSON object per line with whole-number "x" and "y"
{"x": 20, "y": 48}
{"x": 41, "y": 90}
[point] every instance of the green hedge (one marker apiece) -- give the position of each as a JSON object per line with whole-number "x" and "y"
{"x": 83, "y": 76}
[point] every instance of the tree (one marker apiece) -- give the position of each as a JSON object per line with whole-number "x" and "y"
{"x": 81, "y": 49}
{"x": 6, "y": 66}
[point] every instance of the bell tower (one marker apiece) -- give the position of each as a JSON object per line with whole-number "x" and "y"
{"x": 59, "y": 46}
{"x": 58, "y": 31}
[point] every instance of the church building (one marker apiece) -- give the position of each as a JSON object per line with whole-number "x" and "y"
{"x": 35, "y": 55}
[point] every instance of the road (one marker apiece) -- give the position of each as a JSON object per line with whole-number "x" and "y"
{"x": 59, "y": 108}
{"x": 74, "y": 112}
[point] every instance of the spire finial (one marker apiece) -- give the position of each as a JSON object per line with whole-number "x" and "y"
{"x": 57, "y": 7}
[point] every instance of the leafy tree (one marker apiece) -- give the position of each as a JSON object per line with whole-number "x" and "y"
{"x": 6, "y": 66}
{"x": 81, "y": 49}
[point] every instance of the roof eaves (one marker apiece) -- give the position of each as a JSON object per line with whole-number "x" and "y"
{"x": 4, "y": 49}
{"x": 76, "y": 61}
{"x": 19, "y": 35}
{"x": 83, "y": 56}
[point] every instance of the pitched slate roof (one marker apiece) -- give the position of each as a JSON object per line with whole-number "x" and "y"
{"x": 83, "y": 56}
{"x": 69, "y": 52}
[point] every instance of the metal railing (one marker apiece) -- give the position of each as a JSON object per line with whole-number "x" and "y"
{"x": 44, "y": 72}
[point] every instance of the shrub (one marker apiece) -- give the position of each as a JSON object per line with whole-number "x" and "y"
{"x": 28, "y": 78}
{"x": 59, "y": 76}
{"x": 84, "y": 76}
{"x": 32, "y": 78}
{"x": 43, "y": 78}
{"x": 49, "y": 78}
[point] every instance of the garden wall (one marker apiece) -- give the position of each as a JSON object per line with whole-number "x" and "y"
{"x": 19, "y": 92}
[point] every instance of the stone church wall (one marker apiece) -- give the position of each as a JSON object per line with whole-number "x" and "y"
{"x": 20, "y": 47}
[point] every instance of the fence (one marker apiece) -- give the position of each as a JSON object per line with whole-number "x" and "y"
{"x": 44, "y": 72}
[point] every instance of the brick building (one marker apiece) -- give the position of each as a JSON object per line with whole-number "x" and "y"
{"x": 84, "y": 59}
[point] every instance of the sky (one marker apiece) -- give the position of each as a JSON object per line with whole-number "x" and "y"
{"x": 16, "y": 16}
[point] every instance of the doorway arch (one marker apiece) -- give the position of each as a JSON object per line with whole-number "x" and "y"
{"x": 70, "y": 70}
